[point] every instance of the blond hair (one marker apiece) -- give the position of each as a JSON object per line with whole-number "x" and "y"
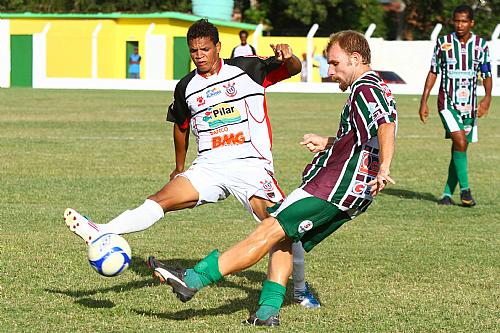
{"x": 351, "y": 41}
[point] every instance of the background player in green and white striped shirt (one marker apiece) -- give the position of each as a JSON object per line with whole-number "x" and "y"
{"x": 349, "y": 169}
{"x": 459, "y": 57}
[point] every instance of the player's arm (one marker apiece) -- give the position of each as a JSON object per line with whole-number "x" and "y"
{"x": 181, "y": 144}
{"x": 316, "y": 143}
{"x": 429, "y": 83}
{"x": 386, "y": 134}
{"x": 484, "y": 104}
{"x": 283, "y": 53}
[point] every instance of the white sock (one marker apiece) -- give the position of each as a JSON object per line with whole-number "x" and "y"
{"x": 298, "y": 274}
{"x": 134, "y": 220}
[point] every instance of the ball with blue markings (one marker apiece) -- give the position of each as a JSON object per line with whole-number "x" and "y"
{"x": 109, "y": 254}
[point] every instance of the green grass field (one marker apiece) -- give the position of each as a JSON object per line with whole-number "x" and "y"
{"x": 407, "y": 265}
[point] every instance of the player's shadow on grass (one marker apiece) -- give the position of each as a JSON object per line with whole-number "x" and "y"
{"x": 250, "y": 302}
{"x": 410, "y": 195}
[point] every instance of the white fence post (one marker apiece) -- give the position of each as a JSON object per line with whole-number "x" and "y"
{"x": 94, "y": 50}
{"x": 310, "y": 50}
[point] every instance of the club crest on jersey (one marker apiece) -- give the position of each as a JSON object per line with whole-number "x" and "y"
{"x": 304, "y": 226}
{"x": 200, "y": 100}
{"x": 230, "y": 89}
{"x": 369, "y": 164}
{"x": 213, "y": 92}
{"x": 446, "y": 46}
{"x": 221, "y": 115}
{"x": 268, "y": 187}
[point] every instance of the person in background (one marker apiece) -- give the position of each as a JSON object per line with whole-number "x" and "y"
{"x": 244, "y": 49}
{"x": 134, "y": 65}
{"x": 459, "y": 57}
{"x": 323, "y": 67}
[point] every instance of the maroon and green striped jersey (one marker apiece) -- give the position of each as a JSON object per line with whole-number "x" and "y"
{"x": 340, "y": 173}
{"x": 459, "y": 65}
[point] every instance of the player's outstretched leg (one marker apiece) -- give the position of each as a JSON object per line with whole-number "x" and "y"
{"x": 81, "y": 225}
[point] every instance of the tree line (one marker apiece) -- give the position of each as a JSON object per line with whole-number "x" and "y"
{"x": 403, "y": 19}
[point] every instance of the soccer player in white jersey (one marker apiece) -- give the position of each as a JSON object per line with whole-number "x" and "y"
{"x": 348, "y": 170}
{"x": 459, "y": 57}
{"x": 223, "y": 103}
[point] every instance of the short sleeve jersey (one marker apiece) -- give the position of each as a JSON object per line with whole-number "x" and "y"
{"x": 459, "y": 65}
{"x": 340, "y": 174}
{"x": 243, "y": 50}
{"x": 227, "y": 111}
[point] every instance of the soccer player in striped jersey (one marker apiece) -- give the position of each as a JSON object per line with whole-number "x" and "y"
{"x": 348, "y": 170}
{"x": 459, "y": 57}
{"x": 223, "y": 103}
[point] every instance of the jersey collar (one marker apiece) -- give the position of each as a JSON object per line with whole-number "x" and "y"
{"x": 218, "y": 70}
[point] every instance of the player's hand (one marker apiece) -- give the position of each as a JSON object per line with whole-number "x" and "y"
{"x": 282, "y": 52}
{"x": 379, "y": 183}
{"x": 314, "y": 142}
{"x": 484, "y": 105}
{"x": 175, "y": 173}
{"x": 423, "y": 112}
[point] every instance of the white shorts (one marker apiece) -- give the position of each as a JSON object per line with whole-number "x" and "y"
{"x": 241, "y": 178}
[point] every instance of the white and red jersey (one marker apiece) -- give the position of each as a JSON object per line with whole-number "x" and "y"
{"x": 227, "y": 111}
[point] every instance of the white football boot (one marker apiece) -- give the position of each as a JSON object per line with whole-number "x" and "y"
{"x": 81, "y": 225}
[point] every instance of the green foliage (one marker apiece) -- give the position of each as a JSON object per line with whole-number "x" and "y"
{"x": 406, "y": 265}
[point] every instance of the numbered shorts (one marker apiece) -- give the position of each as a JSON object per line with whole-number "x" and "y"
{"x": 454, "y": 121}
{"x": 307, "y": 218}
{"x": 241, "y": 178}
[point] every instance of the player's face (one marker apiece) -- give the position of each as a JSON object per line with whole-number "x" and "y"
{"x": 340, "y": 67}
{"x": 205, "y": 55}
{"x": 463, "y": 24}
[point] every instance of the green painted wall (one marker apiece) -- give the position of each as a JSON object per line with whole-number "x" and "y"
{"x": 182, "y": 60}
{"x": 21, "y": 55}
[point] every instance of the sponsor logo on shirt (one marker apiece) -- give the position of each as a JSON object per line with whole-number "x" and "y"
{"x": 369, "y": 164}
{"x": 460, "y": 74}
{"x": 446, "y": 46}
{"x": 305, "y": 226}
{"x": 451, "y": 61}
{"x": 230, "y": 139}
{"x": 230, "y": 89}
{"x": 200, "y": 100}
{"x": 221, "y": 114}
{"x": 462, "y": 95}
{"x": 361, "y": 188}
{"x": 213, "y": 92}
{"x": 478, "y": 48}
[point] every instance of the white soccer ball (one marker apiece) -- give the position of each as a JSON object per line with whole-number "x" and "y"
{"x": 109, "y": 254}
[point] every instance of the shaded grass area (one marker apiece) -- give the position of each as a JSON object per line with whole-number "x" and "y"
{"x": 406, "y": 265}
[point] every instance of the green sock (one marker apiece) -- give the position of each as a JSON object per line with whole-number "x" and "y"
{"x": 271, "y": 299}
{"x": 451, "y": 182}
{"x": 205, "y": 272}
{"x": 460, "y": 161}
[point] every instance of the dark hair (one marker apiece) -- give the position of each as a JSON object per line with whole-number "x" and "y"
{"x": 243, "y": 32}
{"x": 464, "y": 9}
{"x": 351, "y": 41}
{"x": 203, "y": 28}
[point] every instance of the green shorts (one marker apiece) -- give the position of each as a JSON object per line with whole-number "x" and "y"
{"x": 308, "y": 219}
{"x": 454, "y": 121}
